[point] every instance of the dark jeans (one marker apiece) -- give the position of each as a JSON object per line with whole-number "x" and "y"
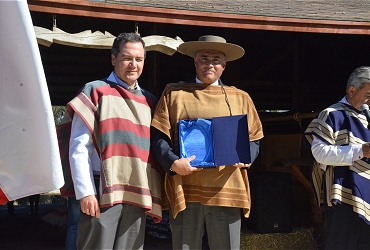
{"x": 345, "y": 230}
{"x": 72, "y": 221}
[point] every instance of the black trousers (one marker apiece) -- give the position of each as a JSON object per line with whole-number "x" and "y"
{"x": 345, "y": 230}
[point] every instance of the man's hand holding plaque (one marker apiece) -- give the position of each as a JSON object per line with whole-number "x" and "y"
{"x": 182, "y": 166}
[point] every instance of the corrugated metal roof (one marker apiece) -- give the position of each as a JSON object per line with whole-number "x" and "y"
{"x": 357, "y": 11}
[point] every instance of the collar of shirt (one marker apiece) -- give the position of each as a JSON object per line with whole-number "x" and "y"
{"x": 114, "y": 78}
{"x": 344, "y": 100}
{"x": 199, "y": 81}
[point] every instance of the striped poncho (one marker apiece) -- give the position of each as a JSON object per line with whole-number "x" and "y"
{"x": 341, "y": 124}
{"x": 119, "y": 121}
{"x": 220, "y": 186}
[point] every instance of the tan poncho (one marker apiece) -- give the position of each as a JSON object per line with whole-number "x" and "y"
{"x": 220, "y": 186}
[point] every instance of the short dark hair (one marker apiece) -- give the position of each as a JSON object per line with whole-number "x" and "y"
{"x": 126, "y": 38}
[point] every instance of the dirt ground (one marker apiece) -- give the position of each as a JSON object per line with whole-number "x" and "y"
{"x": 24, "y": 231}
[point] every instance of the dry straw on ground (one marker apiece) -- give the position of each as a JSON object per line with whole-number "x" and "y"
{"x": 297, "y": 239}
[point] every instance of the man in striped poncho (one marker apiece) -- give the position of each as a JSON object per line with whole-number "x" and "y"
{"x": 339, "y": 140}
{"x": 210, "y": 199}
{"x": 113, "y": 173}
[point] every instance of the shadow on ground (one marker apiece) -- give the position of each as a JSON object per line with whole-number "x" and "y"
{"x": 24, "y": 231}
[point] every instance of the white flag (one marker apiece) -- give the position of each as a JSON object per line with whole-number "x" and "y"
{"x": 29, "y": 156}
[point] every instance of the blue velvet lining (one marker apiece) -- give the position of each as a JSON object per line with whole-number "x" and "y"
{"x": 196, "y": 139}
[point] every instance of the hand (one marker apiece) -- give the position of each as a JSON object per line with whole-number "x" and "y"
{"x": 90, "y": 206}
{"x": 242, "y": 165}
{"x": 366, "y": 149}
{"x": 182, "y": 166}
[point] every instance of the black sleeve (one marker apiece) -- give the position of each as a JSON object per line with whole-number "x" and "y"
{"x": 161, "y": 147}
{"x": 255, "y": 146}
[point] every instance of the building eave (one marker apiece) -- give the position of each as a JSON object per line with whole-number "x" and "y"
{"x": 196, "y": 18}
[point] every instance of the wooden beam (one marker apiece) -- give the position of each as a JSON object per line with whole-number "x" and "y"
{"x": 196, "y": 18}
{"x": 296, "y": 117}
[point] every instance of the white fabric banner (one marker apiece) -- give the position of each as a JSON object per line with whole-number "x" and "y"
{"x": 29, "y": 155}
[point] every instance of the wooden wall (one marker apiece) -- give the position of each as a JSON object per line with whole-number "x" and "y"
{"x": 298, "y": 72}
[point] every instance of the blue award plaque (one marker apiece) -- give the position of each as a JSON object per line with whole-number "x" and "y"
{"x": 215, "y": 142}
{"x": 196, "y": 139}
{"x": 231, "y": 140}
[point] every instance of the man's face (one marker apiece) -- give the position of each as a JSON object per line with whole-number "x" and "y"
{"x": 209, "y": 65}
{"x": 129, "y": 62}
{"x": 359, "y": 96}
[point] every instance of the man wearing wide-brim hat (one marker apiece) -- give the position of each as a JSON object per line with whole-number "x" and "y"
{"x": 209, "y": 200}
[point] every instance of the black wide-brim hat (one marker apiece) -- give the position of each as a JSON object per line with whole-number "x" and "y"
{"x": 209, "y": 42}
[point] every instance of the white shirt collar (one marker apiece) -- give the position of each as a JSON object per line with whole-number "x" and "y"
{"x": 344, "y": 100}
{"x": 114, "y": 78}
{"x": 199, "y": 81}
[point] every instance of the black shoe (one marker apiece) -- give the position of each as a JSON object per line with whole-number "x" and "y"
{"x": 11, "y": 214}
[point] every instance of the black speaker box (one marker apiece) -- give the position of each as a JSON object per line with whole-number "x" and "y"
{"x": 271, "y": 194}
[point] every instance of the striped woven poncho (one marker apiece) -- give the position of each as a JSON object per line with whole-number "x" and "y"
{"x": 341, "y": 124}
{"x": 220, "y": 186}
{"x": 119, "y": 121}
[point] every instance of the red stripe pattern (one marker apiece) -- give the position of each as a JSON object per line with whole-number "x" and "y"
{"x": 119, "y": 120}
